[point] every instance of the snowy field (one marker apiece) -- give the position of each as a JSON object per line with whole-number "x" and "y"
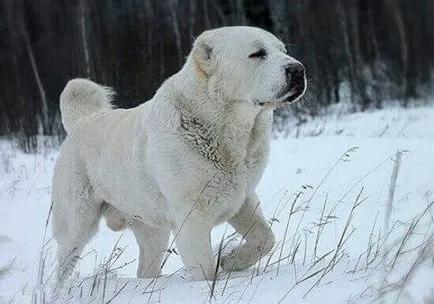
{"x": 347, "y": 231}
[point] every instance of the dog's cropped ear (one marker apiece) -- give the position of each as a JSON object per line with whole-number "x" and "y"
{"x": 203, "y": 55}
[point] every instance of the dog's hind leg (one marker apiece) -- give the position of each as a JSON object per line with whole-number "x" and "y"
{"x": 76, "y": 216}
{"x": 152, "y": 245}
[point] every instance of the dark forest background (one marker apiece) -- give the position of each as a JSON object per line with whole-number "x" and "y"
{"x": 374, "y": 50}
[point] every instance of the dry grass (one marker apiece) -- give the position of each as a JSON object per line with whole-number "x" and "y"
{"x": 397, "y": 250}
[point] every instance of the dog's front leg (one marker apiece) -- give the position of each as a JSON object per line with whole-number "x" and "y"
{"x": 193, "y": 240}
{"x": 259, "y": 239}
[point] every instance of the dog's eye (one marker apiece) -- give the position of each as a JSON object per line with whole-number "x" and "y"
{"x": 261, "y": 54}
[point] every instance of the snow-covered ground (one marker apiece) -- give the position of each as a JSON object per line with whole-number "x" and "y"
{"x": 326, "y": 192}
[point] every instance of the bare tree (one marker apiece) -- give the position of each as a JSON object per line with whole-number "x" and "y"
{"x": 240, "y": 16}
{"x": 206, "y": 14}
{"x": 279, "y": 15}
{"x": 83, "y": 32}
{"x": 134, "y": 45}
{"x": 192, "y": 18}
{"x": 396, "y": 12}
{"x": 173, "y": 7}
{"x": 43, "y": 126}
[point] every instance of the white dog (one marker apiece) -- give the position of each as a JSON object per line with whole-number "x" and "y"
{"x": 183, "y": 162}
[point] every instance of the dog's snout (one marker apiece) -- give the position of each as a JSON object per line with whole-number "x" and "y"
{"x": 295, "y": 70}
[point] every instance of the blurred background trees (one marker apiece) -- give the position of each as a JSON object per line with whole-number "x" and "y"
{"x": 358, "y": 51}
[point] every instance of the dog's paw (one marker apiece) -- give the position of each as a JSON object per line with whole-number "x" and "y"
{"x": 238, "y": 259}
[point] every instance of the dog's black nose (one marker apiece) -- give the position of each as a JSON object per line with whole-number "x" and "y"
{"x": 295, "y": 75}
{"x": 295, "y": 71}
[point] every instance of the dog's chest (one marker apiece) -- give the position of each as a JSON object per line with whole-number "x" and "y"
{"x": 236, "y": 148}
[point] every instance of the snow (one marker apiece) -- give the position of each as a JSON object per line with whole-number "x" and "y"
{"x": 336, "y": 168}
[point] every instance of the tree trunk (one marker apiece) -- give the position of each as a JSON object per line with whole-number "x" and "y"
{"x": 279, "y": 15}
{"x": 353, "y": 54}
{"x": 357, "y": 55}
{"x": 83, "y": 13}
{"x": 173, "y": 5}
{"x": 43, "y": 125}
{"x": 347, "y": 47}
{"x": 206, "y": 14}
{"x": 372, "y": 34}
{"x": 240, "y": 15}
{"x": 397, "y": 15}
{"x": 192, "y": 19}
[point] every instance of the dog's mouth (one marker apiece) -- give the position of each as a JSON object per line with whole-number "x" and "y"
{"x": 289, "y": 96}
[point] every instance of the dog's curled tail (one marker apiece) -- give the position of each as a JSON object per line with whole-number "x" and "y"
{"x": 81, "y": 98}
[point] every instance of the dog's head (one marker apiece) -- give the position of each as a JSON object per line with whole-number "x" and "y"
{"x": 248, "y": 64}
